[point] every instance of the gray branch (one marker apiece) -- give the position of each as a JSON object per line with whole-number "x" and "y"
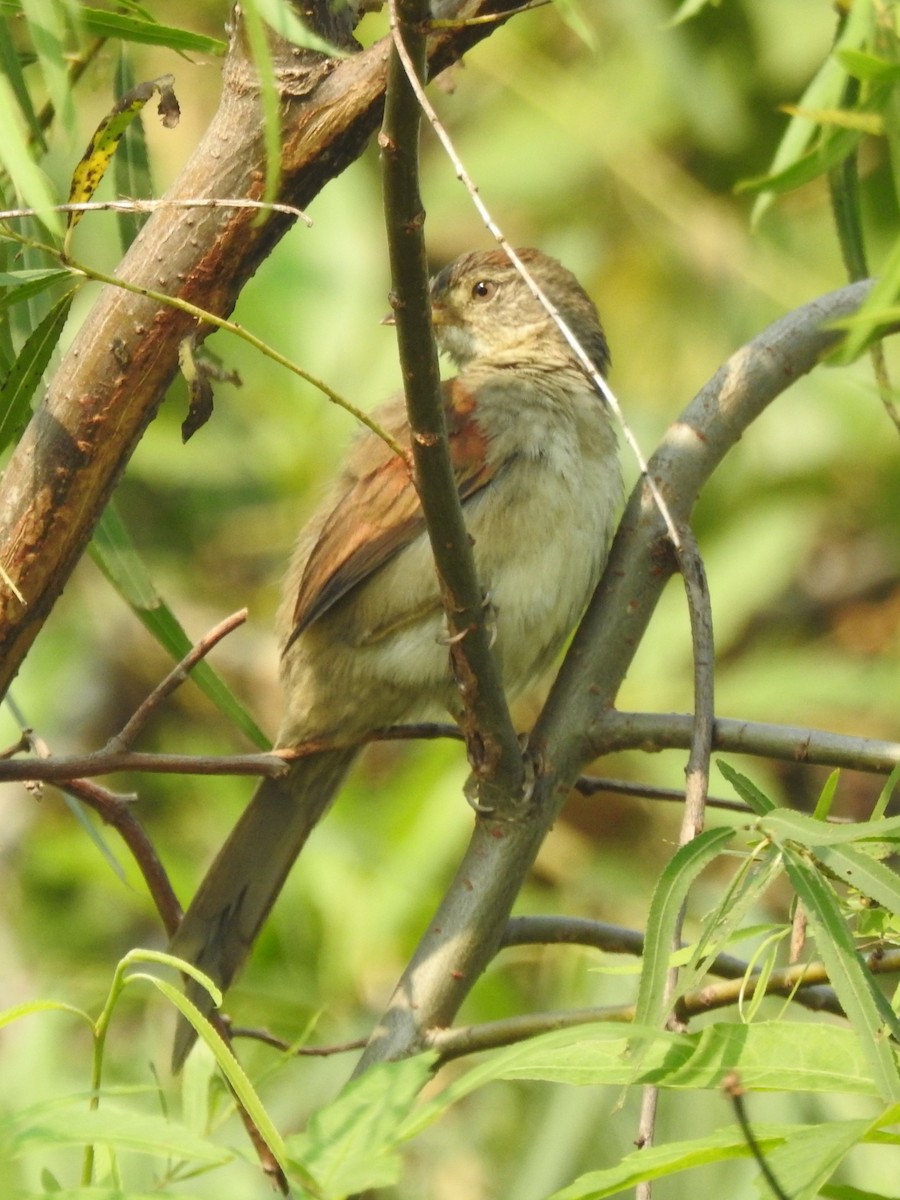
{"x": 459, "y": 940}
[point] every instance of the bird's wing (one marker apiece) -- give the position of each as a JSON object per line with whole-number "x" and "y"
{"x": 379, "y": 512}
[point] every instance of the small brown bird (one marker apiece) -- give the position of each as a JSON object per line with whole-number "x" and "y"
{"x": 361, "y": 624}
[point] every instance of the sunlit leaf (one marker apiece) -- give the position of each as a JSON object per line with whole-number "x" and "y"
{"x": 20, "y": 384}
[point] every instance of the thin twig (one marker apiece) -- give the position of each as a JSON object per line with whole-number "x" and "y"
{"x": 137, "y": 205}
{"x": 734, "y": 1091}
{"x": 126, "y": 736}
{"x": 590, "y": 785}
{"x": 100, "y": 762}
{"x": 286, "y": 1047}
{"x": 117, "y": 812}
{"x": 485, "y": 18}
{"x": 696, "y": 775}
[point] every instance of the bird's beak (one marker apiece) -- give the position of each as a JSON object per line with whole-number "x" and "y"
{"x": 438, "y": 316}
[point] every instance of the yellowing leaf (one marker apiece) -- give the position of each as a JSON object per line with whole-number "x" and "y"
{"x": 109, "y": 133}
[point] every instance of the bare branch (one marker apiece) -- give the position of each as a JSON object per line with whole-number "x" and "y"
{"x": 493, "y": 747}
{"x": 673, "y": 731}
{"x": 117, "y": 812}
{"x": 126, "y": 736}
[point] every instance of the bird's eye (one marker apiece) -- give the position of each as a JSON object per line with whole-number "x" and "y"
{"x": 483, "y": 289}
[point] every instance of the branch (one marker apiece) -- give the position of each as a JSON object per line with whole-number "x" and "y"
{"x": 673, "y": 731}
{"x": 449, "y": 957}
{"x": 491, "y": 741}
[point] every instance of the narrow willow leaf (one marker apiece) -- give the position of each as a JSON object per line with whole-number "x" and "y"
{"x": 11, "y": 67}
{"x": 113, "y": 551}
{"x": 130, "y": 28}
{"x": 721, "y": 928}
{"x": 47, "y": 34}
{"x": 863, "y": 872}
{"x": 574, "y": 15}
{"x": 823, "y": 92}
{"x": 844, "y": 1191}
{"x": 283, "y": 18}
{"x": 832, "y": 151}
{"x": 868, "y": 1011}
{"x": 105, "y": 141}
{"x": 112, "y": 1126}
{"x": 19, "y": 286}
{"x": 772, "y": 1055}
{"x": 870, "y": 123}
{"x": 20, "y": 384}
{"x": 826, "y": 796}
{"x": 747, "y": 789}
{"x": 262, "y": 60}
{"x": 227, "y": 1063}
{"x": 351, "y": 1145}
{"x": 786, "y": 825}
{"x": 868, "y": 67}
{"x": 884, "y": 797}
{"x": 27, "y": 178}
{"x": 810, "y": 1157}
{"x": 661, "y": 1162}
{"x": 668, "y": 897}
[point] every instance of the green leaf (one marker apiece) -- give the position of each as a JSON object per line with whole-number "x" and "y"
{"x": 98, "y": 23}
{"x": 19, "y": 286}
{"x": 19, "y": 385}
{"x": 11, "y": 67}
{"x": 41, "y": 1006}
{"x": 29, "y": 181}
{"x": 351, "y": 1145}
{"x": 721, "y": 928}
{"x": 884, "y": 796}
{"x": 47, "y": 34}
{"x": 826, "y": 796}
{"x": 113, "y": 551}
{"x": 863, "y": 872}
{"x": 227, "y": 1063}
{"x": 668, "y": 897}
{"x": 867, "y": 1009}
{"x": 747, "y": 789}
{"x": 282, "y": 16}
{"x": 843, "y": 1191}
{"x": 808, "y": 1159}
{"x": 868, "y": 67}
{"x": 661, "y": 1162}
{"x": 773, "y": 1055}
{"x": 824, "y": 91}
{"x": 785, "y": 825}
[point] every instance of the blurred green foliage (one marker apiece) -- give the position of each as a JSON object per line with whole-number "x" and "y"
{"x": 619, "y": 153}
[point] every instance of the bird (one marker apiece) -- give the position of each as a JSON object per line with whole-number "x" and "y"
{"x": 361, "y": 626}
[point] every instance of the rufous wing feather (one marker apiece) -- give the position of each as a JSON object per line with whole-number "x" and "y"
{"x": 380, "y": 513}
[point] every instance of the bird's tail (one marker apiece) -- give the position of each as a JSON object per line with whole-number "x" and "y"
{"x": 234, "y": 898}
